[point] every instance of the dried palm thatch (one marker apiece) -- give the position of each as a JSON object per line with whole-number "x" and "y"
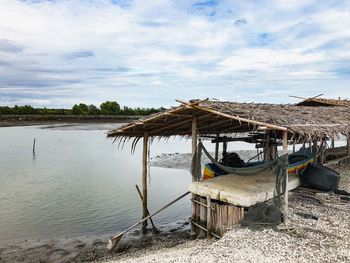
{"x": 230, "y": 117}
{"x": 315, "y": 102}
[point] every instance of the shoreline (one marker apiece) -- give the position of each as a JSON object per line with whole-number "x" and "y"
{"x": 31, "y": 120}
{"x": 90, "y": 248}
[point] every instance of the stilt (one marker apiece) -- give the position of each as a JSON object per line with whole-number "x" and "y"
{"x": 267, "y": 149}
{"x": 314, "y": 150}
{"x": 194, "y": 176}
{"x": 224, "y": 147}
{"x": 322, "y": 149}
{"x": 209, "y": 224}
{"x": 285, "y": 151}
{"x": 348, "y": 147}
{"x": 144, "y": 180}
{"x": 217, "y": 148}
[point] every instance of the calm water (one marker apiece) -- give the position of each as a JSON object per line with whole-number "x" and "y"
{"x": 79, "y": 183}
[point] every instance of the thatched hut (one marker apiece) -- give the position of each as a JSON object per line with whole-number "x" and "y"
{"x": 269, "y": 125}
{"x": 323, "y": 102}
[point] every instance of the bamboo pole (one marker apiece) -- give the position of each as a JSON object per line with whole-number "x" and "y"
{"x": 285, "y": 205}
{"x": 314, "y": 150}
{"x": 224, "y": 148}
{"x": 209, "y": 223}
{"x": 270, "y": 126}
{"x": 217, "y": 148}
{"x": 194, "y": 176}
{"x": 348, "y": 147}
{"x": 267, "y": 148}
{"x": 144, "y": 180}
{"x": 34, "y": 148}
{"x": 322, "y": 149}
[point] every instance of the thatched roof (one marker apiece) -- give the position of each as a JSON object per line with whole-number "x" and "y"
{"x": 230, "y": 117}
{"x": 315, "y": 102}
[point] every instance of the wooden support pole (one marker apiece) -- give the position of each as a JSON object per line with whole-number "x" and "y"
{"x": 348, "y": 147}
{"x": 294, "y": 147}
{"x": 194, "y": 176}
{"x": 267, "y": 149}
{"x": 314, "y": 150}
{"x": 224, "y": 148}
{"x": 333, "y": 143}
{"x": 194, "y": 144}
{"x": 209, "y": 224}
{"x": 217, "y": 148}
{"x": 144, "y": 180}
{"x": 285, "y": 151}
{"x": 322, "y": 149}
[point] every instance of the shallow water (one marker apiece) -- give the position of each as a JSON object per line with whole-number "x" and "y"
{"x": 79, "y": 183}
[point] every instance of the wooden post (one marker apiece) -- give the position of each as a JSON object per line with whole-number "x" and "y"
{"x": 322, "y": 148}
{"x": 348, "y": 147}
{"x": 144, "y": 179}
{"x": 267, "y": 149}
{"x": 285, "y": 151}
{"x": 209, "y": 224}
{"x": 224, "y": 147}
{"x": 217, "y": 148}
{"x": 34, "y": 148}
{"x": 332, "y": 144}
{"x": 314, "y": 150}
{"x": 194, "y": 176}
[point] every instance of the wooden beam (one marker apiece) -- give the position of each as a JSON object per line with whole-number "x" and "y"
{"x": 285, "y": 205}
{"x": 144, "y": 180}
{"x": 257, "y": 123}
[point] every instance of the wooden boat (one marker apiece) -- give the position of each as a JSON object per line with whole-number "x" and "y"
{"x": 297, "y": 163}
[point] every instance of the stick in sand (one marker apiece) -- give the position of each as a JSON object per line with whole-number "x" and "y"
{"x": 117, "y": 238}
{"x": 148, "y": 213}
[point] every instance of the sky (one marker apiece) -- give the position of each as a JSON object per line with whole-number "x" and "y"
{"x": 55, "y": 53}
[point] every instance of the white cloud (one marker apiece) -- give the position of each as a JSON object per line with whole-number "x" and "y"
{"x": 150, "y": 52}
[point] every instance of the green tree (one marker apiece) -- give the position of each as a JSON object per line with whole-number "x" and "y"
{"x": 76, "y": 110}
{"x": 93, "y": 110}
{"x": 84, "y": 108}
{"x": 110, "y": 108}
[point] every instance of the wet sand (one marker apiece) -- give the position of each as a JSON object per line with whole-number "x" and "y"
{"x": 90, "y": 248}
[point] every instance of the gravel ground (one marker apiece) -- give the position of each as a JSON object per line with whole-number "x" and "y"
{"x": 326, "y": 238}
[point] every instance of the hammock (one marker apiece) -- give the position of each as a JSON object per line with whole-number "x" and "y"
{"x": 250, "y": 170}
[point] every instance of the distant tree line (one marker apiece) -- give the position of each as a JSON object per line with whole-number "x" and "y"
{"x": 106, "y": 108}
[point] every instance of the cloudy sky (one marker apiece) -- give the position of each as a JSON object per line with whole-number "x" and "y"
{"x": 148, "y": 53}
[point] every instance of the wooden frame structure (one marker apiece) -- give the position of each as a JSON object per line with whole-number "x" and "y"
{"x": 290, "y": 124}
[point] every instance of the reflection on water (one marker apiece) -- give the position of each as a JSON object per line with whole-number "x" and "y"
{"x": 80, "y": 183}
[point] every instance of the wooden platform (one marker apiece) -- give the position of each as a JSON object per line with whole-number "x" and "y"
{"x": 241, "y": 190}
